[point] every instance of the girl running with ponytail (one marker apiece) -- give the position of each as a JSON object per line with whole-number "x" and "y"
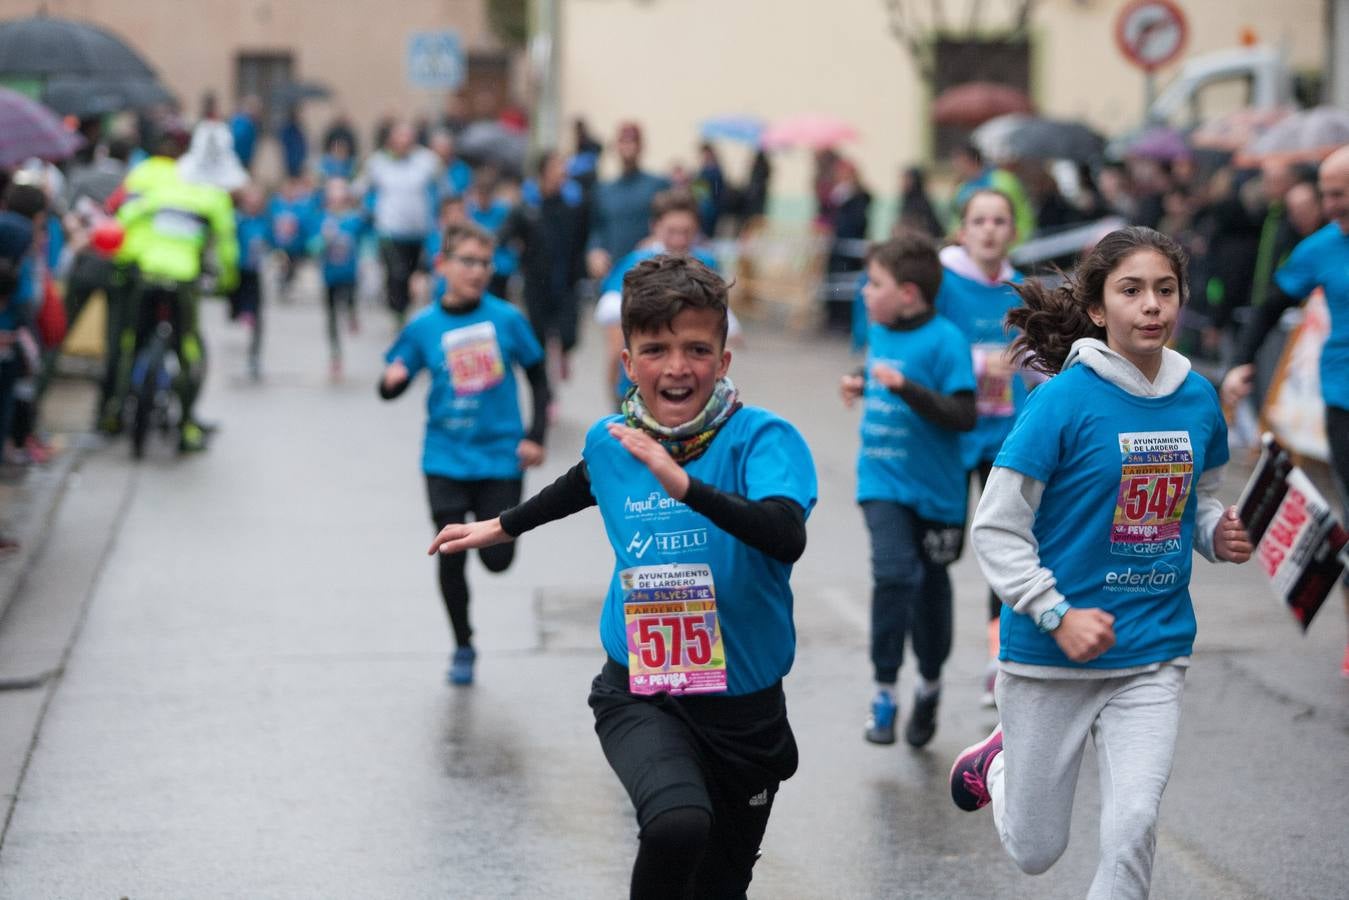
{"x": 1105, "y": 486}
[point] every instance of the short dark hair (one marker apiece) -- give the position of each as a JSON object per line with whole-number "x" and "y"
{"x": 910, "y": 256}
{"x": 671, "y": 201}
{"x": 25, "y": 199}
{"x": 974, "y": 154}
{"x": 459, "y": 232}
{"x": 660, "y": 288}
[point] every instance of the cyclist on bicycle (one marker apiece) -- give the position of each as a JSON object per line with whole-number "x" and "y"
{"x": 170, "y": 226}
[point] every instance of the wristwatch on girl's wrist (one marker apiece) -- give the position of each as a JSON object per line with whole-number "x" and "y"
{"x": 1052, "y": 618}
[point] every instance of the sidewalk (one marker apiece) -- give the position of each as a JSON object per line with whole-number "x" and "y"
{"x": 28, "y": 503}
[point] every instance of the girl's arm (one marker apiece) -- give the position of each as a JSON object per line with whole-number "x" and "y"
{"x": 1209, "y": 512}
{"x": 1004, "y": 543}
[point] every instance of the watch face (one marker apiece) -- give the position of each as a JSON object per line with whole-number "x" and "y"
{"x": 1049, "y": 620}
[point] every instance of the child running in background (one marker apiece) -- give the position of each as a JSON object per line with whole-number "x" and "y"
{"x": 292, "y": 210}
{"x": 689, "y": 706}
{"x": 976, "y": 295}
{"x": 674, "y": 231}
{"x": 254, "y": 230}
{"x": 476, "y": 447}
{"x": 1104, "y": 488}
{"x": 337, "y": 246}
{"x": 918, "y": 396}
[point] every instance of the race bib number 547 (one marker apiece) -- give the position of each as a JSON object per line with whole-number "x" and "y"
{"x": 674, "y": 636}
{"x": 1156, "y": 473}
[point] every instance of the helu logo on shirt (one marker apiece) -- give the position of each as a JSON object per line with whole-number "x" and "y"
{"x": 1157, "y": 580}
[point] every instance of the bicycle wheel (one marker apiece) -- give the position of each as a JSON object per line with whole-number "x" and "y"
{"x": 145, "y": 390}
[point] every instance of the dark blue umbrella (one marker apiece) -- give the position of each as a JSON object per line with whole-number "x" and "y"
{"x": 83, "y": 95}
{"x": 44, "y": 45}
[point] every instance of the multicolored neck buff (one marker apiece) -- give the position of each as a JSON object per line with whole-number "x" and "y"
{"x": 689, "y": 441}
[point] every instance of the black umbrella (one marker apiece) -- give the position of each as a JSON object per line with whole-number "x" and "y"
{"x": 1018, "y": 136}
{"x": 49, "y": 46}
{"x": 85, "y": 96}
{"x": 296, "y": 91}
{"x": 483, "y": 142}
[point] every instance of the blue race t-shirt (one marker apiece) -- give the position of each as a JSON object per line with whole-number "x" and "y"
{"x": 254, "y": 234}
{"x": 980, "y": 310}
{"x": 755, "y": 455}
{"x": 1322, "y": 260}
{"x": 904, "y": 458}
{"x": 473, "y": 421}
{"x": 340, "y": 235}
{"x": 292, "y": 222}
{"x": 1116, "y": 521}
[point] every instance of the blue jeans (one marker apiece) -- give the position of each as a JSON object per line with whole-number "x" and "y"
{"x": 909, "y": 596}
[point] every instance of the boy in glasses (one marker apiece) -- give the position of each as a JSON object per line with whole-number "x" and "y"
{"x": 476, "y": 447}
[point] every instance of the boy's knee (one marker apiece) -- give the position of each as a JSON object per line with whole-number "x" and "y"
{"x": 678, "y": 835}
{"x": 498, "y": 558}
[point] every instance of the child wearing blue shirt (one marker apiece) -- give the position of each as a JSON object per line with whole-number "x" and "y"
{"x": 476, "y": 447}
{"x": 253, "y": 229}
{"x": 1104, "y": 488}
{"x": 292, "y": 212}
{"x": 976, "y": 296}
{"x": 918, "y": 396}
{"x": 704, "y": 502}
{"x": 337, "y": 245}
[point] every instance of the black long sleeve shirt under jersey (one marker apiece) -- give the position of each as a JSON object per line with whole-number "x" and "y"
{"x": 540, "y": 393}
{"x": 775, "y": 526}
{"x": 957, "y": 411}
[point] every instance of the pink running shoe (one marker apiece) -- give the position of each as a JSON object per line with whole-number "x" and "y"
{"x": 1344, "y": 666}
{"x": 969, "y": 775}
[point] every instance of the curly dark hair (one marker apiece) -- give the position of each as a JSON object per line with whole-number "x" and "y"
{"x": 660, "y": 288}
{"x": 1051, "y": 320}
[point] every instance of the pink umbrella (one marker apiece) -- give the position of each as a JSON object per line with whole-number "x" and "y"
{"x": 975, "y": 102}
{"x": 816, "y": 132}
{"x": 28, "y": 129}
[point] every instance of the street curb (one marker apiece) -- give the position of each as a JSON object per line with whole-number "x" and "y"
{"x": 30, "y": 518}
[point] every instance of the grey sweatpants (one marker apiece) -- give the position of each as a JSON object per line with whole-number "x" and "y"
{"x": 1132, "y": 720}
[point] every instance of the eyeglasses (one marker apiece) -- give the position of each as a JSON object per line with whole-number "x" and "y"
{"x": 473, "y": 262}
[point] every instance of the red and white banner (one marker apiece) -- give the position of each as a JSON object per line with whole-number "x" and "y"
{"x": 1298, "y": 542}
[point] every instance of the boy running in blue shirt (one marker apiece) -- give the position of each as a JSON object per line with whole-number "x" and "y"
{"x": 254, "y": 231}
{"x": 476, "y": 447}
{"x": 338, "y": 244}
{"x": 918, "y": 396}
{"x": 704, "y": 502}
{"x": 292, "y": 213}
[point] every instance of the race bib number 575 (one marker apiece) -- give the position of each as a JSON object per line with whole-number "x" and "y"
{"x": 674, "y": 636}
{"x": 1156, "y": 472}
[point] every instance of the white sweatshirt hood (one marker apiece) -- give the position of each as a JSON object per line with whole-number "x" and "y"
{"x": 1095, "y": 355}
{"x": 958, "y": 260}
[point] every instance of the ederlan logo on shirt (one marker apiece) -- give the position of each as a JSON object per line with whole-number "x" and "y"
{"x": 1157, "y": 580}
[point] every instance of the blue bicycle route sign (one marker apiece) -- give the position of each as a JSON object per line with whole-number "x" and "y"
{"x": 435, "y": 60}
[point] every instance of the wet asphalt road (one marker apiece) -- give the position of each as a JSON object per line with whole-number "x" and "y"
{"x": 253, "y": 703}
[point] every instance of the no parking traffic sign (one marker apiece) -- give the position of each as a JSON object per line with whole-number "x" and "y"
{"x": 1151, "y": 33}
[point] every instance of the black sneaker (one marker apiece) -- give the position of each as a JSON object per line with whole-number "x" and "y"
{"x": 923, "y": 721}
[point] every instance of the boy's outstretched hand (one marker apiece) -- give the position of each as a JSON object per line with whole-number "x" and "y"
{"x": 651, "y": 454}
{"x": 459, "y": 536}
{"x": 1230, "y": 540}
